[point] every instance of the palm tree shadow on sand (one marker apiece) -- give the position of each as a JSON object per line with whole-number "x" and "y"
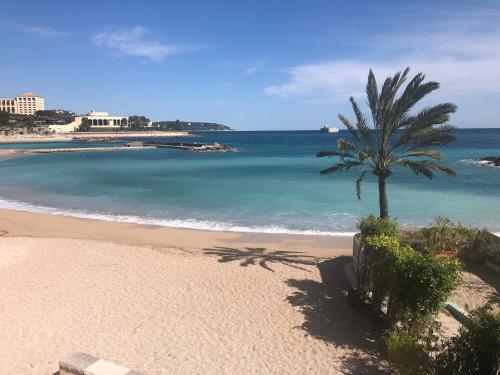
{"x": 250, "y": 256}
{"x": 329, "y": 317}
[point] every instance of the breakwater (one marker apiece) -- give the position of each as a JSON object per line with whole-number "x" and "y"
{"x": 189, "y": 147}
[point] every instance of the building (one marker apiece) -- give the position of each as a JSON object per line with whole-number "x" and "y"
{"x": 8, "y": 105}
{"x": 94, "y": 122}
{"x": 102, "y": 121}
{"x": 24, "y": 104}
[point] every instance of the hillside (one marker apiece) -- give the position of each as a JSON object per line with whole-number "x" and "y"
{"x": 190, "y": 126}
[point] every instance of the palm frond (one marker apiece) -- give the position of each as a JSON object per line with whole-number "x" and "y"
{"x": 341, "y": 167}
{"x": 387, "y": 95}
{"x": 414, "y": 125}
{"x": 413, "y": 93}
{"x": 425, "y": 168}
{"x": 359, "y": 180}
{"x": 346, "y": 145}
{"x": 364, "y": 131}
{"x": 438, "y": 136}
{"x": 342, "y": 154}
{"x": 372, "y": 94}
{"x": 422, "y": 153}
{"x": 350, "y": 127}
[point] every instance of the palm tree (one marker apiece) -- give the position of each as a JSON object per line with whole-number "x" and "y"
{"x": 399, "y": 138}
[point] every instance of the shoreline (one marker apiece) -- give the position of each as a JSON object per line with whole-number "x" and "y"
{"x": 53, "y": 225}
{"x": 7, "y": 204}
{"x": 87, "y": 136}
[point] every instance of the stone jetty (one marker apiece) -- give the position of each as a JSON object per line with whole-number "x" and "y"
{"x": 190, "y": 147}
{"x": 136, "y": 145}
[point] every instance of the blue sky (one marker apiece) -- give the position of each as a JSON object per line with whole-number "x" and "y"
{"x": 251, "y": 65}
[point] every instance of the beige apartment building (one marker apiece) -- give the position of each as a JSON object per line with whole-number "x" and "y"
{"x": 24, "y": 104}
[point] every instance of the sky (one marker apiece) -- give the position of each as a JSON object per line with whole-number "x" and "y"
{"x": 252, "y": 65}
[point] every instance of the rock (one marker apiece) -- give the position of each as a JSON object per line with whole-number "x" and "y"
{"x": 490, "y": 160}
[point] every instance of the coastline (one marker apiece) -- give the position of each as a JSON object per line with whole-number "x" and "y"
{"x": 87, "y": 136}
{"x": 45, "y": 225}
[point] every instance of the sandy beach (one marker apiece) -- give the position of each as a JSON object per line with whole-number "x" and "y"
{"x": 165, "y": 301}
{"x": 89, "y": 136}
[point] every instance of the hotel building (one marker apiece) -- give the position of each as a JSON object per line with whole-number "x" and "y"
{"x": 24, "y": 104}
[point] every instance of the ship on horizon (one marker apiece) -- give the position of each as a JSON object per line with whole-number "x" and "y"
{"x": 327, "y": 129}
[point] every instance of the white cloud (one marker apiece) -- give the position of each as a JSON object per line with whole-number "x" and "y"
{"x": 254, "y": 67}
{"x": 465, "y": 60}
{"x": 48, "y": 32}
{"x": 133, "y": 42}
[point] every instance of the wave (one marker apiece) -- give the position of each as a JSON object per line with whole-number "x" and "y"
{"x": 482, "y": 163}
{"x": 171, "y": 223}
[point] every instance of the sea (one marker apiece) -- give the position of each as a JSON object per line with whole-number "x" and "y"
{"x": 270, "y": 184}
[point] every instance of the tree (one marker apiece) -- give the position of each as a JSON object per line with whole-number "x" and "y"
{"x": 398, "y": 138}
{"x": 138, "y": 122}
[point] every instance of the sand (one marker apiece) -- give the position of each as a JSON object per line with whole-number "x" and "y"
{"x": 166, "y": 301}
{"x": 68, "y": 137}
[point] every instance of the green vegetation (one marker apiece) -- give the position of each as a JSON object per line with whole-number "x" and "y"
{"x": 486, "y": 247}
{"x": 138, "y": 122}
{"x": 9, "y": 121}
{"x": 55, "y": 117}
{"x": 178, "y": 125}
{"x": 444, "y": 236}
{"x": 413, "y": 285}
{"x": 421, "y": 285}
{"x": 372, "y": 225}
{"x": 406, "y": 353}
{"x": 397, "y": 138}
{"x": 408, "y": 286}
{"x": 476, "y": 349}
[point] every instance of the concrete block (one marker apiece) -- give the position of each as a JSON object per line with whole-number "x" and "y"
{"x": 77, "y": 363}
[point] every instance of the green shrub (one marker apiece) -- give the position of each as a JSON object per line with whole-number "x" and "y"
{"x": 415, "y": 285}
{"x": 380, "y": 254}
{"x": 444, "y": 235}
{"x": 421, "y": 285}
{"x": 371, "y": 225}
{"x": 406, "y": 353}
{"x": 475, "y": 350}
{"x": 486, "y": 247}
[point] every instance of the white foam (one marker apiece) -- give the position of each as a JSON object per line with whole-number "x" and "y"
{"x": 172, "y": 223}
{"x": 485, "y": 163}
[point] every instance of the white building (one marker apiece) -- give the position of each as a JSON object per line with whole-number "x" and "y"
{"x": 24, "y": 104}
{"x": 96, "y": 121}
{"x": 103, "y": 121}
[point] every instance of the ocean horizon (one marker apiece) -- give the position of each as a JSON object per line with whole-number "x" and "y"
{"x": 270, "y": 184}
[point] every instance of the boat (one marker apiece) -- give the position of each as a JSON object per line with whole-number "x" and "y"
{"x": 327, "y": 129}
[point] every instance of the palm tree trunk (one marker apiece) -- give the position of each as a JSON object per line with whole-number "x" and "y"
{"x": 382, "y": 197}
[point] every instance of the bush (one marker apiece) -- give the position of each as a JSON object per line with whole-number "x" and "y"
{"x": 486, "y": 247}
{"x": 445, "y": 235}
{"x": 406, "y": 354}
{"x": 381, "y": 252}
{"x": 415, "y": 285}
{"x": 420, "y": 287}
{"x": 371, "y": 225}
{"x": 475, "y": 350}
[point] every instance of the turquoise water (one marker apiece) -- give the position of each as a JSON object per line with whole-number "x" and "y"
{"x": 271, "y": 184}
